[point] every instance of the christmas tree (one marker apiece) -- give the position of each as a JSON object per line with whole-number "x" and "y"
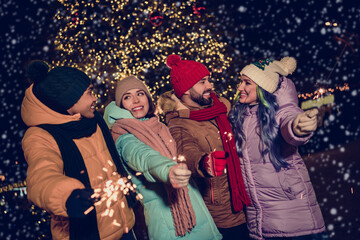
{"x": 110, "y": 40}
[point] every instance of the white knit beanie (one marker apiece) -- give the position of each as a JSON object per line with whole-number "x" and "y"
{"x": 265, "y": 73}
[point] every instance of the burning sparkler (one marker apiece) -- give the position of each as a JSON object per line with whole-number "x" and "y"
{"x": 109, "y": 192}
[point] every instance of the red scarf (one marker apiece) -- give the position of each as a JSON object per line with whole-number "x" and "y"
{"x": 219, "y": 111}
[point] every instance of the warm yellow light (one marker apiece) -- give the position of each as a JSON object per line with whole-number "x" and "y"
{"x": 117, "y": 51}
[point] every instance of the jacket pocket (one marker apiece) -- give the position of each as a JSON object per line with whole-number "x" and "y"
{"x": 285, "y": 184}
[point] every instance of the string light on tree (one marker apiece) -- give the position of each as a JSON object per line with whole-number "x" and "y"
{"x": 156, "y": 18}
{"x": 113, "y": 39}
{"x": 75, "y": 19}
{"x": 198, "y": 9}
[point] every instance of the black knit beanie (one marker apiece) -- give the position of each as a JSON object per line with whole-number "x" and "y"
{"x": 60, "y": 88}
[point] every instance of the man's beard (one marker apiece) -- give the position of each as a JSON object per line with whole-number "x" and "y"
{"x": 199, "y": 99}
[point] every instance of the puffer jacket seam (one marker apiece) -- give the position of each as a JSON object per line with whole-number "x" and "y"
{"x": 253, "y": 192}
{"x": 307, "y": 195}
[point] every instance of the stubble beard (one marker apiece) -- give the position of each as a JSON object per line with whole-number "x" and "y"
{"x": 199, "y": 99}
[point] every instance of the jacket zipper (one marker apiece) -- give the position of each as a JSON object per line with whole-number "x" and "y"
{"x": 212, "y": 191}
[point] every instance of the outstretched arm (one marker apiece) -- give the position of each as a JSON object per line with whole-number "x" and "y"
{"x": 305, "y": 123}
{"x": 142, "y": 158}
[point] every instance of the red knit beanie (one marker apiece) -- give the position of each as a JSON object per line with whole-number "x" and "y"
{"x": 184, "y": 73}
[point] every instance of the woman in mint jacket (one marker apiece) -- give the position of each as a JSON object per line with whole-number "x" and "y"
{"x": 173, "y": 207}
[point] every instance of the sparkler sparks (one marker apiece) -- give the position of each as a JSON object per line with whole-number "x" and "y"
{"x": 229, "y": 135}
{"x": 116, "y": 223}
{"x": 109, "y": 192}
{"x": 89, "y": 210}
{"x": 181, "y": 159}
{"x": 321, "y": 91}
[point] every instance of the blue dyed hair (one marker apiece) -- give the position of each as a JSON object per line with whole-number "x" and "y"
{"x": 269, "y": 130}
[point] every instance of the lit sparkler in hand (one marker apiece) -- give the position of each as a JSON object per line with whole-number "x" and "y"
{"x": 181, "y": 160}
{"x": 109, "y": 192}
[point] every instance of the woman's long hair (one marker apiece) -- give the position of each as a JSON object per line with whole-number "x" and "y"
{"x": 269, "y": 129}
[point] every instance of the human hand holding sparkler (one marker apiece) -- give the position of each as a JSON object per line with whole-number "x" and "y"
{"x": 79, "y": 201}
{"x": 108, "y": 192}
{"x": 305, "y": 122}
{"x": 179, "y": 174}
{"x": 322, "y": 101}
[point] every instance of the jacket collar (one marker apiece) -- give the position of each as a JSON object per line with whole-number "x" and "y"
{"x": 34, "y": 112}
{"x": 251, "y": 110}
{"x": 113, "y": 112}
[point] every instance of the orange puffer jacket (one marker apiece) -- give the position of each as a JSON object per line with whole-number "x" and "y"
{"x": 49, "y": 188}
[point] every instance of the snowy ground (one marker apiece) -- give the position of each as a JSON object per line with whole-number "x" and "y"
{"x": 335, "y": 176}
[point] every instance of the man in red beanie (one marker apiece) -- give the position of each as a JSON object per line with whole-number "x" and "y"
{"x": 197, "y": 120}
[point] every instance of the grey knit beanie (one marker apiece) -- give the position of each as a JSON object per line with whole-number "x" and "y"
{"x": 127, "y": 84}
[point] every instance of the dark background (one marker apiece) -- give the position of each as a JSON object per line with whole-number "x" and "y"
{"x": 328, "y": 56}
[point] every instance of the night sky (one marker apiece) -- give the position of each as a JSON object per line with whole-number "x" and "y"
{"x": 323, "y": 35}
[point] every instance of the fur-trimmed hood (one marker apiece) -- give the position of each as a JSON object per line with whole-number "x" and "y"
{"x": 168, "y": 102}
{"x": 171, "y": 106}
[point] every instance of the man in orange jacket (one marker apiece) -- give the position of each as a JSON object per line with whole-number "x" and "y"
{"x": 70, "y": 152}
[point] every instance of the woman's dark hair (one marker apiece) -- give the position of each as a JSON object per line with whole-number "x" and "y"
{"x": 152, "y": 108}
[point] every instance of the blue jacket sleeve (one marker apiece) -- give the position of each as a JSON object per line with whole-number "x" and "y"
{"x": 142, "y": 158}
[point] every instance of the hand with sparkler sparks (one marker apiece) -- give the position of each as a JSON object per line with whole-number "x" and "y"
{"x": 79, "y": 201}
{"x": 305, "y": 123}
{"x": 179, "y": 175}
{"x": 108, "y": 193}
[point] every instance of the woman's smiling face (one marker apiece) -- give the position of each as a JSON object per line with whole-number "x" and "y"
{"x": 136, "y": 101}
{"x": 247, "y": 91}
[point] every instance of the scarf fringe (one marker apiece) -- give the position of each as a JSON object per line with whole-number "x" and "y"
{"x": 181, "y": 210}
{"x": 156, "y": 135}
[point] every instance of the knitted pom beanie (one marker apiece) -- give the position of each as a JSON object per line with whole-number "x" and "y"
{"x": 266, "y": 73}
{"x": 184, "y": 73}
{"x": 60, "y": 88}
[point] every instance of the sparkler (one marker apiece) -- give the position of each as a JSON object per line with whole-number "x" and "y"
{"x": 321, "y": 97}
{"x": 181, "y": 160}
{"x": 109, "y": 192}
{"x": 321, "y": 91}
{"x": 318, "y": 102}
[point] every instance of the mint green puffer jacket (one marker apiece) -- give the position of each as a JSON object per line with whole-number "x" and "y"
{"x": 154, "y": 167}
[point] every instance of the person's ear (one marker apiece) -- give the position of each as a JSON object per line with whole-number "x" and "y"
{"x": 187, "y": 92}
